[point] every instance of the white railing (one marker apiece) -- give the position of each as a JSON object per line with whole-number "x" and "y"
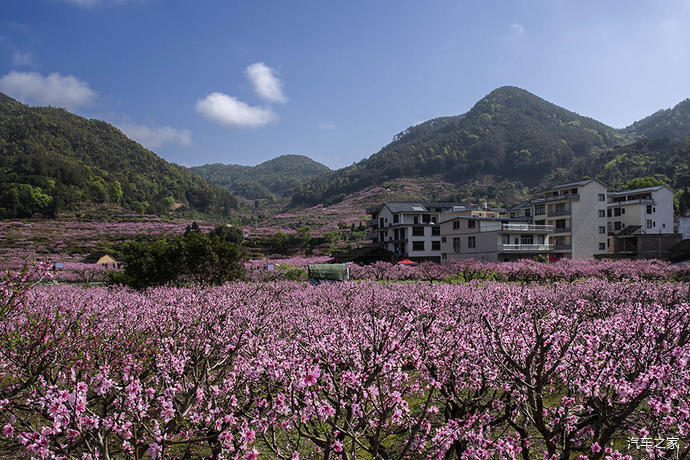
{"x": 527, "y": 227}
{"x": 525, "y": 247}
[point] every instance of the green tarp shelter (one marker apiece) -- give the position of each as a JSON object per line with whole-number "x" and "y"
{"x": 330, "y": 272}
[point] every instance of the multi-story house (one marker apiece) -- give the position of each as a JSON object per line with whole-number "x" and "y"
{"x": 640, "y": 222}
{"x": 492, "y": 239}
{"x": 408, "y": 229}
{"x": 650, "y": 209}
{"x": 577, "y": 212}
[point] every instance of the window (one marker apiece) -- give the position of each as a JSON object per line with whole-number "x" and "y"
{"x": 609, "y": 226}
{"x": 649, "y": 209}
{"x": 560, "y": 224}
{"x": 528, "y": 212}
{"x": 539, "y": 209}
{"x": 540, "y": 239}
{"x": 418, "y": 245}
{"x": 602, "y": 229}
{"x": 436, "y": 245}
{"x": 426, "y": 218}
{"x": 471, "y": 223}
{"x": 381, "y": 222}
{"x": 574, "y": 191}
{"x": 602, "y": 213}
{"x": 654, "y": 224}
{"x": 456, "y": 225}
{"x": 471, "y": 242}
{"x": 608, "y": 212}
{"x": 416, "y": 220}
{"x": 617, "y": 212}
{"x": 395, "y": 218}
{"x": 649, "y": 223}
{"x": 602, "y": 197}
{"x": 616, "y": 226}
{"x": 435, "y": 231}
{"x": 456, "y": 244}
{"x": 602, "y": 246}
{"x": 622, "y": 210}
{"x": 443, "y": 239}
{"x": 417, "y": 231}
{"x": 506, "y": 239}
{"x": 526, "y": 239}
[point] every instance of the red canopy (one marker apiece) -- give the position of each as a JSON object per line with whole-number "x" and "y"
{"x": 407, "y": 262}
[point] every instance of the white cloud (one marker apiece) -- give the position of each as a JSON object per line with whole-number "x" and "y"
{"x": 325, "y": 125}
{"x": 55, "y": 89}
{"x": 20, "y": 59}
{"x": 156, "y": 136}
{"x": 517, "y": 29}
{"x": 227, "y": 110}
{"x": 265, "y": 83}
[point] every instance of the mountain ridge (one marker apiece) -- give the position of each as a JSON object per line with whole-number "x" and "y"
{"x": 264, "y": 180}
{"x": 51, "y": 159}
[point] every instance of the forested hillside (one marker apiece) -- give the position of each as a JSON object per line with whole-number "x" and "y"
{"x": 274, "y": 177}
{"x": 51, "y": 159}
{"x": 510, "y": 134}
{"x": 666, "y": 160}
{"x": 669, "y": 123}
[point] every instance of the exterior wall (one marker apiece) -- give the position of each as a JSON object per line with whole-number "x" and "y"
{"x": 486, "y": 243}
{"x": 661, "y": 217}
{"x": 585, "y": 221}
{"x": 664, "y": 210}
{"x": 683, "y": 227}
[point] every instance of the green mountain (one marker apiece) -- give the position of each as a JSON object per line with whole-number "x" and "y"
{"x": 509, "y": 135}
{"x": 669, "y": 123}
{"x": 274, "y": 177}
{"x": 51, "y": 159}
{"x": 661, "y": 158}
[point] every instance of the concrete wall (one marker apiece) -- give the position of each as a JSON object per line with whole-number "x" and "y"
{"x": 585, "y": 221}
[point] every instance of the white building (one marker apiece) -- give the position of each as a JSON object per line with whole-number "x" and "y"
{"x": 577, "y": 212}
{"x": 492, "y": 239}
{"x": 650, "y": 209}
{"x": 411, "y": 229}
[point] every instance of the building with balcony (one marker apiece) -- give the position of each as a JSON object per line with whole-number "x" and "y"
{"x": 577, "y": 213}
{"x": 650, "y": 209}
{"x": 412, "y": 230}
{"x": 492, "y": 239}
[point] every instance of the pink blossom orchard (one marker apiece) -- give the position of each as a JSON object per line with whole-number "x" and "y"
{"x": 349, "y": 370}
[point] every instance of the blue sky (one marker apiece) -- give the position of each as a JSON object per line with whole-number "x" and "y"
{"x": 244, "y": 81}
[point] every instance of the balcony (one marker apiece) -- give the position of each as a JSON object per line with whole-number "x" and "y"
{"x": 525, "y": 247}
{"x": 558, "y": 212}
{"x": 371, "y": 235}
{"x": 644, "y": 201}
{"x": 561, "y": 230}
{"x": 568, "y": 197}
{"x": 562, "y": 247}
{"x": 533, "y": 228}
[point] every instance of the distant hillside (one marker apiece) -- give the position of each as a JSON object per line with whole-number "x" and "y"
{"x": 670, "y": 123}
{"x": 663, "y": 159}
{"x": 274, "y": 177}
{"x": 51, "y": 159}
{"x": 510, "y": 135}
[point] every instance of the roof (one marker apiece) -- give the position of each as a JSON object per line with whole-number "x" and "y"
{"x": 630, "y": 230}
{"x": 397, "y": 206}
{"x": 638, "y": 190}
{"x": 572, "y": 184}
{"x": 497, "y": 219}
{"x": 524, "y": 204}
